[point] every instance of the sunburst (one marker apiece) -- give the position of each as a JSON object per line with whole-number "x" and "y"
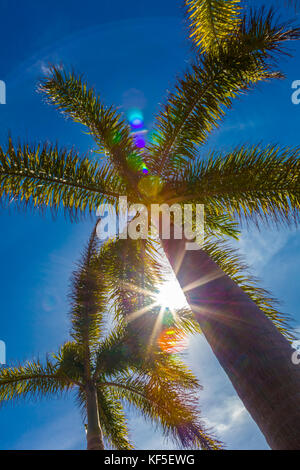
{"x": 168, "y": 298}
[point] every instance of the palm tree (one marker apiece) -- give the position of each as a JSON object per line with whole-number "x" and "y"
{"x": 233, "y": 52}
{"x": 106, "y": 371}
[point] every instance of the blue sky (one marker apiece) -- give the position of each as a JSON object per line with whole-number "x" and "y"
{"x": 126, "y": 50}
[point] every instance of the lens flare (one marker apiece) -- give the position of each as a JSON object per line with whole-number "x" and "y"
{"x": 136, "y": 119}
{"x": 173, "y": 340}
{"x": 140, "y": 141}
{"x": 135, "y": 161}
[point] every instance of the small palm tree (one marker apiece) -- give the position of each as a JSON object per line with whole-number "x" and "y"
{"x": 233, "y": 52}
{"x": 107, "y": 371}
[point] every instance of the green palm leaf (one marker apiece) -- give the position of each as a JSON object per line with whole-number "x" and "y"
{"x": 174, "y": 410}
{"x": 135, "y": 269}
{"x": 117, "y": 352}
{"x": 70, "y": 94}
{"x": 32, "y": 380}
{"x": 48, "y": 177}
{"x": 251, "y": 183}
{"x": 113, "y": 420}
{"x": 202, "y": 96}
{"x": 88, "y": 296}
{"x": 211, "y": 21}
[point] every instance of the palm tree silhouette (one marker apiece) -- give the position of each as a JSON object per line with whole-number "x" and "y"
{"x": 233, "y": 52}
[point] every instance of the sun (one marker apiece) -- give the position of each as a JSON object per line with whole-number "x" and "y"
{"x": 171, "y": 296}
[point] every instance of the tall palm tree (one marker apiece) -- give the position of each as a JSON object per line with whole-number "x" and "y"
{"x": 233, "y": 52}
{"x": 106, "y": 371}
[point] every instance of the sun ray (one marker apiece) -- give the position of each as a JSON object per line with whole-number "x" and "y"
{"x": 157, "y": 324}
{"x": 174, "y": 314}
{"x": 203, "y": 280}
{"x": 137, "y": 313}
{"x": 179, "y": 261}
{"x": 138, "y": 289}
{"x": 169, "y": 297}
{"x": 224, "y": 317}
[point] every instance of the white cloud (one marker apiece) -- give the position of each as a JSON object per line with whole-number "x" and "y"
{"x": 239, "y": 126}
{"x": 226, "y": 415}
{"x": 43, "y": 65}
{"x": 220, "y": 405}
{"x": 259, "y": 247}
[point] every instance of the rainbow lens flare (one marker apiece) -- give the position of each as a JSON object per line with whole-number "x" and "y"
{"x": 172, "y": 340}
{"x": 140, "y": 141}
{"x": 136, "y": 119}
{"x": 135, "y": 161}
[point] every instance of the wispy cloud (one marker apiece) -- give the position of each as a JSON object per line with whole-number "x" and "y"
{"x": 145, "y": 435}
{"x": 220, "y": 405}
{"x": 239, "y": 126}
{"x": 226, "y": 416}
{"x": 259, "y": 247}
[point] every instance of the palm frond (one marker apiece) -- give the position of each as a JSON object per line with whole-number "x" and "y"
{"x": 202, "y": 96}
{"x": 133, "y": 268}
{"x": 263, "y": 34}
{"x": 220, "y": 225}
{"x": 173, "y": 410}
{"x": 250, "y": 183}
{"x": 88, "y": 296}
{"x": 211, "y": 21}
{"x": 294, "y": 3}
{"x": 70, "y": 361}
{"x": 136, "y": 270}
{"x": 119, "y": 351}
{"x": 113, "y": 421}
{"x": 45, "y": 176}
{"x": 31, "y": 381}
{"x": 171, "y": 369}
{"x": 184, "y": 321}
{"x": 70, "y": 94}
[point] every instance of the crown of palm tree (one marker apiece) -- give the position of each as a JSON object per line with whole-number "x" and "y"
{"x": 233, "y": 52}
{"x": 114, "y": 365}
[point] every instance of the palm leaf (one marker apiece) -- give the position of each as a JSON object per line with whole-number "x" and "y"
{"x": 251, "y": 183}
{"x": 59, "y": 179}
{"x": 70, "y": 94}
{"x": 113, "y": 421}
{"x": 132, "y": 265}
{"x": 136, "y": 269}
{"x": 211, "y": 21}
{"x": 32, "y": 380}
{"x": 118, "y": 352}
{"x": 173, "y": 410}
{"x": 88, "y": 296}
{"x": 202, "y": 96}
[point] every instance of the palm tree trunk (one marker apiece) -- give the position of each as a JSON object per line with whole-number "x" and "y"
{"x": 253, "y": 353}
{"x": 94, "y": 433}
